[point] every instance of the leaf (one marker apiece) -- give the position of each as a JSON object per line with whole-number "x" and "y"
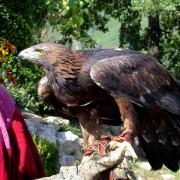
{"x": 73, "y": 3}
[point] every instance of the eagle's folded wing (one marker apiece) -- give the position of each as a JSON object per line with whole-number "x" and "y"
{"x": 140, "y": 78}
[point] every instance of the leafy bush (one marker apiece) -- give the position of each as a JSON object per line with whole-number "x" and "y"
{"x": 19, "y": 22}
{"x": 7, "y": 63}
{"x": 27, "y": 76}
{"x": 49, "y": 154}
{"x": 170, "y": 54}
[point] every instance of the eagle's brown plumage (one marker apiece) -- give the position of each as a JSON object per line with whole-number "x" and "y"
{"x": 106, "y": 85}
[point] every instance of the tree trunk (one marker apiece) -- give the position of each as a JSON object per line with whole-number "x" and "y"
{"x": 154, "y": 35}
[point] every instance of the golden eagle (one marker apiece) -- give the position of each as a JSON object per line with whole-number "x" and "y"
{"x": 113, "y": 86}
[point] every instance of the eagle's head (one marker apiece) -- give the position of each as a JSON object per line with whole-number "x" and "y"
{"x": 43, "y": 52}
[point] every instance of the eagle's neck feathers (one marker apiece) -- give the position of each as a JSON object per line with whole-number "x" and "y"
{"x": 70, "y": 63}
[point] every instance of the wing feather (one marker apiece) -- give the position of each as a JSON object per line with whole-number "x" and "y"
{"x": 140, "y": 78}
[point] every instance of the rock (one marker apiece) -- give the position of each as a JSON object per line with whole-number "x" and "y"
{"x": 70, "y": 148}
{"x": 68, "y": 172}
{"x": 54, "y": 177}
{"x": 139, "y": 178}
{"x": 38, "y": 126}
{"x": 145, "y": 165}
{"x": 56, "y": 120}
{"x": 167, "y": 177}
{"x": 66, "y": 136}
{"x": 69, "y": 143}
{"x": 48, "y": 132}
{"x": 47, "y": 128}
{"x": 33, "y": 122}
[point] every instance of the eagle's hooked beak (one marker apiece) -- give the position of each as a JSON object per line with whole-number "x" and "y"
{"x": 30, "y": 54}
{"x": 21, "y": 55}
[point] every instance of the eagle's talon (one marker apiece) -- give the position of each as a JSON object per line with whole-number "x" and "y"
{"x": 118, "y": 138}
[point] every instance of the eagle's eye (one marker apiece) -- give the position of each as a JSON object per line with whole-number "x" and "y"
{"x": 39, "y": 50}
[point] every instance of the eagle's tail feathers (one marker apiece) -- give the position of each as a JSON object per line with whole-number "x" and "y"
{"x": 161, "y": 141}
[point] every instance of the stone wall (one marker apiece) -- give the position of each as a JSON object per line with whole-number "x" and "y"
{"x": 68, "y": 143}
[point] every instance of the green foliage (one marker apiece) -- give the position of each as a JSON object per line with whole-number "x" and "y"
{"x": 19, "y": 22}
{"x": 7, "y": 62}
{"x": 25, "y": 93}
{"x": 152, "y": 174}
{"x": 171, "y": 54}
{"x": 27, "y": 77}
{"x": 147, "y": 7}
{"x": 129, "y": 35}
{"x": 153, "y": 26}
{"x": 49, "y": 154}
{"x": 73, "y": 18}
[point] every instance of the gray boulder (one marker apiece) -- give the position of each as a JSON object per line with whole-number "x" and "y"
{"x": 70, "y": 148}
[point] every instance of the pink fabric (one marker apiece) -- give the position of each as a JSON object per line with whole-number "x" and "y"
{"x": 7, "y": 108}
{"x": 19, "y": 158}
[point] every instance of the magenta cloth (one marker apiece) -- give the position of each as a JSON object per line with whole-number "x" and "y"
{"x": 19, "y": 158}
{"x": 7, "y": 108}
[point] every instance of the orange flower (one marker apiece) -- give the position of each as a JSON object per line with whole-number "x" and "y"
{"x": 9, "y": 45}
{"x": 6, "y": 42}
{"x": 6, "y": 48}
{"x": 13, "y": 48}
